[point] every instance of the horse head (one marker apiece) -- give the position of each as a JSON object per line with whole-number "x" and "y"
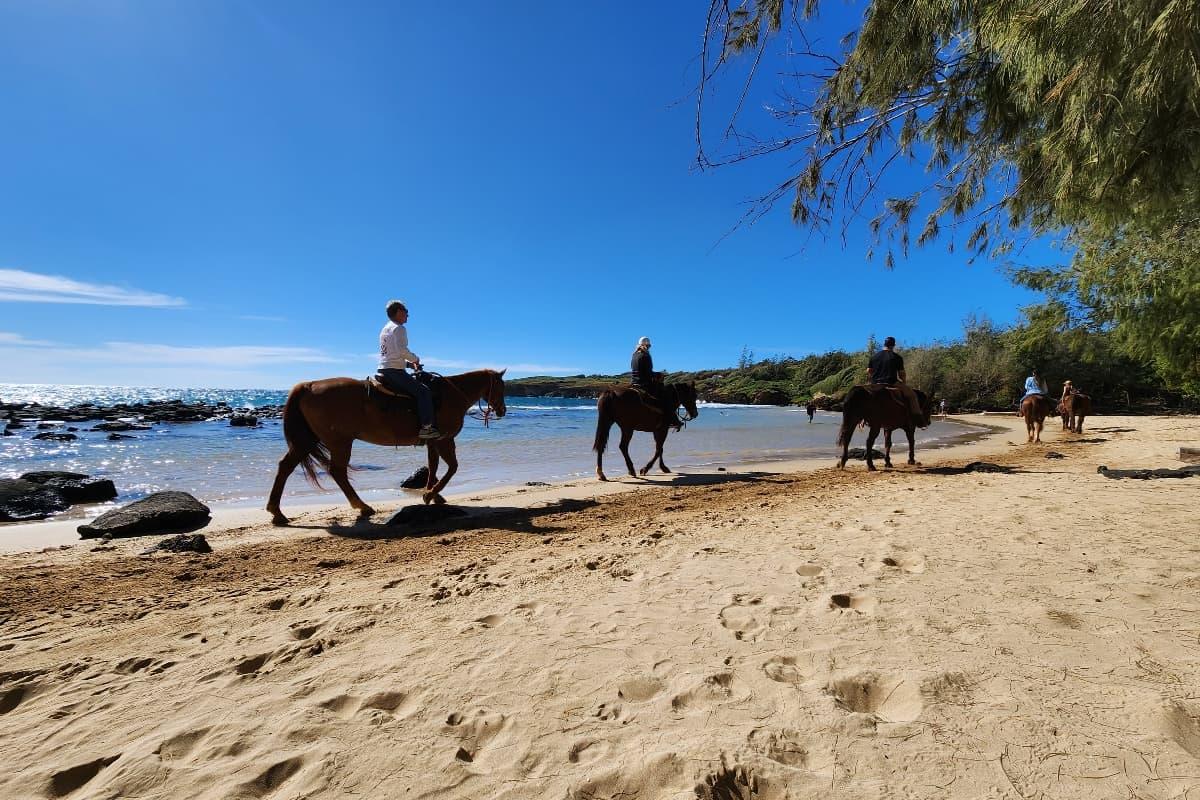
{"x": 685, "y": 395}
{"x": 495, "y": 391}
{"x": 926, "y": 403}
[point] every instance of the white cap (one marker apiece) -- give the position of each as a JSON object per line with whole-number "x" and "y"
{"x": 645, "y": 340}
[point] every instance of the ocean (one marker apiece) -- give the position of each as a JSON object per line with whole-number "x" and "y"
{"x": 540, "y": 439}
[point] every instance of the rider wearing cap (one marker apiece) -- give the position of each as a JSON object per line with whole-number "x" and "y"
{"x": 395, "y": 358}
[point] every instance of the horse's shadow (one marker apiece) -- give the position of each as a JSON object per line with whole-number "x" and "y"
{"x": 439, "y": 520}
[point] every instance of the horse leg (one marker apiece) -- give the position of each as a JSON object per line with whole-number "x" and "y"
{"x": 339, "y": 460}
{"x": 445, "y": 448}
{"x": 626, "y": 436}
{"x": 844, "y": 437}
{"x": 660, "y": 442}
{"x": 287, "y": 465}
{"x": 887, "y": 447}
{"x": 910, "y": 432}
{"x": 1037, "y": 438}
{"x": 659, "y": 437}
{"x": 432, "y": 466}
{"x": 600, "y": 450}
{"x": 871, "y": 444}
{"x": 1079, "y": 424}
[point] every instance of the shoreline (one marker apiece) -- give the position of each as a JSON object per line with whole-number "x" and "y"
{"x": 229, "y": 518}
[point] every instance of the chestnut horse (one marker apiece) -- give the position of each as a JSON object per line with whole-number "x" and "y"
{"x": 625, "y": 406}
{"x": 1035, "y": 408}
{"x": 881, "y": 407}
{"x": 1074, "y": 409}
{"x": 321, "y": 420}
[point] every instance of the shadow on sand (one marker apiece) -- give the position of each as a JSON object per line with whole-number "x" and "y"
{"x": 416, "y": 519}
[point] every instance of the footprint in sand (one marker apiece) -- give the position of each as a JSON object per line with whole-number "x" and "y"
{"x": 745, "y": 617}
{"x": 587, "y": 751}
{"x": 852, "y": 601}
{"x": 792, "y": 749}
{"x": 911, "y": 563}
{"x": 640, "y": 689}
{"x": 788, "y": 669}
{"x": 718, "y": 688}
{"x": 890, "y": 698}
{"x": 475, "y": 732}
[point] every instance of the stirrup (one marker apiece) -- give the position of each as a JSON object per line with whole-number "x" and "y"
{"x": 429, "y": 432}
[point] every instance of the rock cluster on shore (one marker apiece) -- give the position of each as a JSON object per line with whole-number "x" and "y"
{"x": 149, "y": 412}
{"x": 37, "y": 495}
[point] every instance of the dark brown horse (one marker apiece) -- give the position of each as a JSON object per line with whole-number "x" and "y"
{"x": 1074, "y": 409}
{"x": 627, "y": 407}
{"x": 1035, "y": 408}
{"x": 321, "y": 420}
{"x": 881, "y": 407}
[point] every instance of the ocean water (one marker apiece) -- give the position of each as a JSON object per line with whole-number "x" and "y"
{"x": 540, "y": 439}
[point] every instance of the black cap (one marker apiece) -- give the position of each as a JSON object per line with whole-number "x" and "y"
{"x": 889, "y": 341}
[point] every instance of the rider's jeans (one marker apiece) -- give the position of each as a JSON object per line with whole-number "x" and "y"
{"x": 400, "y": 381}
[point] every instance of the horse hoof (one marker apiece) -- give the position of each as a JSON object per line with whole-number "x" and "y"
{"x": 438, "y": 500}
{"x": 600, "y": 477}
{"x": 366, "y": 511}
{"x": 871, "y": 468}
{"x": 280, "y": 521}
{"x": 912, "y": 463}
{"x": 427, "y": 498}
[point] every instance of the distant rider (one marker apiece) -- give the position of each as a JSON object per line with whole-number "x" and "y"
{"x": 395, "y": 358}
{"x": 887, "y": 368}
{"x": 643, "y": 376}
{"x": 1068, "y": 390}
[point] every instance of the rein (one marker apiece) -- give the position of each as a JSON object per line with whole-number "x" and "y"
{"x": 484, "y": 414}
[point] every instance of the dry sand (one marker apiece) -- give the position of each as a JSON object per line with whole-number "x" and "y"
{"x": 918, "y": 633}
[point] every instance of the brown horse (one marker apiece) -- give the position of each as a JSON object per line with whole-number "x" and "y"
{"x": 1074, "y": 409}
{"x": 880, "y": 407}
{"x": 1035, "y": 408}
{"x": 321, "y": 420}
{"x": 626, "y": 406}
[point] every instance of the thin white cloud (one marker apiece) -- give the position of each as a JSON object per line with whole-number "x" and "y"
{"x": 17, "y": 340}
{"x": 19, "y": 286}
{"x": 166, "y": 355}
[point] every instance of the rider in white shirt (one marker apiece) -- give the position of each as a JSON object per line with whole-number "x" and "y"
{"x": 395, "y": 358}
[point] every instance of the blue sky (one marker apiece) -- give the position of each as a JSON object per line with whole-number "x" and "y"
{"x": 226, "y": 193}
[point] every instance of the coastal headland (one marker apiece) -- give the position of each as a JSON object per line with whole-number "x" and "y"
{"x": 1003, "y": 620}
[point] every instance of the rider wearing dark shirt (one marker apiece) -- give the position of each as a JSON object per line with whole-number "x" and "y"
{"x": 642, "y": 375}
{"x": 887, "y": 368}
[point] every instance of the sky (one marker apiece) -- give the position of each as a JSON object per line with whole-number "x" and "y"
{"x": 226, "y": 193}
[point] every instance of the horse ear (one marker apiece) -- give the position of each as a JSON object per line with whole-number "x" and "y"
{"x": 503, "y": 371}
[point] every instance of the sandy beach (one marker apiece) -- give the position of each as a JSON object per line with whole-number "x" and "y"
{"x": 773, "y": 631}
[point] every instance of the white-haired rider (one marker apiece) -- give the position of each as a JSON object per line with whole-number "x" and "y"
{"x": 395, "y": 358}
{"x": 643, "y": 376}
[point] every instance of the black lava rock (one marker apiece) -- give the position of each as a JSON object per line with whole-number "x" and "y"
{"x": 243, "y": 421}
{"x": 161, "y": 512}
{"x": 121, "y": 426}
{"x": 116, "y": 437}
{"x": 56, "y": 437}
{"x": 196, "y": 543}
{"x": 417, "y": 480}
{"x": 75, "y": 487}
{"x": 22, "y": 500}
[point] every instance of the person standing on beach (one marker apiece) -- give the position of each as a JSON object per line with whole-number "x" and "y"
{"x": 394, "y": 360}
{"x": 886, "y": 368}
{"x": 643, "y": 376}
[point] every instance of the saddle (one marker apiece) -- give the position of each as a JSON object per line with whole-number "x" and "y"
{"x": 392, "y": 401}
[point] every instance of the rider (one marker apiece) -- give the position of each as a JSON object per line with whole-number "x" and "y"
{"x": 395, "y": 357}
{"x": 1034, "y": 385}
{"x": 887, "y": 368}
{"x": 1068, "y": 390}
{"x": 643, "y": 376}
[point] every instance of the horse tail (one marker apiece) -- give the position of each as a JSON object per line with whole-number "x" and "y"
{"x": 301, "y": 438}
{"x": 851, "y": 413}
{"x": 604, "y": 420}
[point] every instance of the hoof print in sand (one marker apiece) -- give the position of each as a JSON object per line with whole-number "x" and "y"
{"x": 639, "y": 690}
{"x": 714, "y": 689}
{"x": 911, "y": 563}
{"x": 1182, "y": 725}
{"x": 889, "y": 698}
{"x": 790, "y": 748}
{"x": 744, "y": 617}
{"x": 851, "y": 601}
{"x": 736, "y": 782}
{"x": 786, "y": 669}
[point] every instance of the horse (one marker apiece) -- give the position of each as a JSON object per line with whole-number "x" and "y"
{"x": 1035, "y": 408}
{"x": 880, "y": 407}
{"x": 625, "y": 406}
{"x": 321, "y": 420}
{"x": 1074, "y": 409}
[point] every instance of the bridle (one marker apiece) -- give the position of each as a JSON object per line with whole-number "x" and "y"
{"x": 481, "y": 412}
